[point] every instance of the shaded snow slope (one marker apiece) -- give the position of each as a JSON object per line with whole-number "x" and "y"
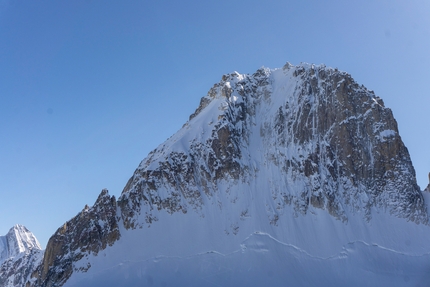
{"x": 294, "y": 176}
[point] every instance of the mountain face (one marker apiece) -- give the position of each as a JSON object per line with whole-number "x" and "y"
{"x": 275, "y": 174}
{"x": 20, "y": 254}
{"x": 326, "y": 141}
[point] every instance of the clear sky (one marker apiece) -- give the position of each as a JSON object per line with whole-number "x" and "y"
{"x": 89, "y": 88}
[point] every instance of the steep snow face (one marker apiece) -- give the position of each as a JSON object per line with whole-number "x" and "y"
{"x": 294, "y": 176}
{"x": 18, "y": 240}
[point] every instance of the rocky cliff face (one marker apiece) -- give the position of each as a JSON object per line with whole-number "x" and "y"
{"x": 299, "y": 137}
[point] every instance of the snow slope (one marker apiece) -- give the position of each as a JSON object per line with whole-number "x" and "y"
{"x": 311, "y": 250}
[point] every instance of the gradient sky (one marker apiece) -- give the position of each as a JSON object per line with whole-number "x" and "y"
{"x": 89, "y": 88}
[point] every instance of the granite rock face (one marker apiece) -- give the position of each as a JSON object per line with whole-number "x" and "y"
{"x": 350, "y": 152}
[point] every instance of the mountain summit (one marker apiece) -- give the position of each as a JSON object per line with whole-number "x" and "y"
{"x": 18, "y": 240}
{"x": 293, "y": 176}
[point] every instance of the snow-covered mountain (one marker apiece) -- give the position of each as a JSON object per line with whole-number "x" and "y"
{"x": 20, "y": 254}
{"x": 310, "y": 133}
{"x": 287, "y": 177}
{"x": 18, "y": 240}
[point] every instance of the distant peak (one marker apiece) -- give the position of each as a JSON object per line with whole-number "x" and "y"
{"x": 19, "y": 227}
{"x": 19, "y": 239}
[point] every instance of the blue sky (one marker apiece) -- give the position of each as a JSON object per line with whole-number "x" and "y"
{"x": 89, "y": 88}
